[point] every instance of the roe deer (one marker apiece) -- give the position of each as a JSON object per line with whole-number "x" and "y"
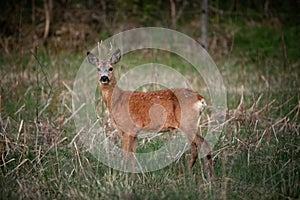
{"x": 162, "y": 110}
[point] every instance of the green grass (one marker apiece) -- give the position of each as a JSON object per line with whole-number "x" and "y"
{"x": 257, "y": 156}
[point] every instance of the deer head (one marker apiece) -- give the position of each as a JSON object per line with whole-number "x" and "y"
{"x": 105, "y": 67}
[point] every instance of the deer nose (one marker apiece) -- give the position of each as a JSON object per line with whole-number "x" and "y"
{"x": 104, "y": 79}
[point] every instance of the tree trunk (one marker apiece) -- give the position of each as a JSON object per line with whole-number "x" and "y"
{"x": 173, "y": 13}
{"x": 204, "y": 18}
{"x": 48, "y": 5}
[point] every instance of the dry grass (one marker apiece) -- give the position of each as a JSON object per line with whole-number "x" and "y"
{"x": 257, "y": 156}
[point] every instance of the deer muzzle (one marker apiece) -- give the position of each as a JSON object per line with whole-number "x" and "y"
{"x": 104, "y": 79}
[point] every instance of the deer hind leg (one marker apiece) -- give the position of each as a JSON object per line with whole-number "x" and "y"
{"x": 128, "y": 147}
{"x": 194, "y": 152}
{"x": 199, "y": 141}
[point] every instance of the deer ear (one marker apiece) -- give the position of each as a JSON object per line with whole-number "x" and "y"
{"x": 115, "y": 57}
{"x": 92, "y": 58}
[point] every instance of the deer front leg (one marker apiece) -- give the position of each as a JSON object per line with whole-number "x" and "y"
{"x": 133, "y": 141}
{"x": 128, "y": 147}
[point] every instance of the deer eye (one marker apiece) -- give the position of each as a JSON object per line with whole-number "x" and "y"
{"x": 110, "y": 69}
{"x": 98, "y": 69}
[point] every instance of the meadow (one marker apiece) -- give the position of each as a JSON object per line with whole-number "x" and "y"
{"x": 257, "y": 155}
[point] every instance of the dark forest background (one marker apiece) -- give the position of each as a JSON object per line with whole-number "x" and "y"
{"x": 72, "y": 25}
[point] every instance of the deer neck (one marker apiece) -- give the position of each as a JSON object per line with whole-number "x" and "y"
{"x": 108, "y": 90}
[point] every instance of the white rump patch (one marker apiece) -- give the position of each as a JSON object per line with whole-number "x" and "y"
{"x": 200, "y": 105}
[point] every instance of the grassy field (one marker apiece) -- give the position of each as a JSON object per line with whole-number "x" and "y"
{"x": 257, "y": 156}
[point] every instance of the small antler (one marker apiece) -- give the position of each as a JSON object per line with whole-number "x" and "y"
{"x": 110, "y": 51}
{"x": 99, "y": 48}
{"x": 111, "y": 47}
